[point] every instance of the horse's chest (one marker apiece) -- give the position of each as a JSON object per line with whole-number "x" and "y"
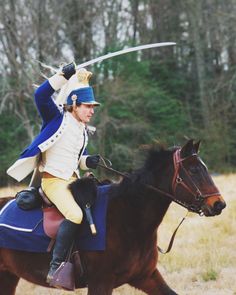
{"x": 137, "y": 262}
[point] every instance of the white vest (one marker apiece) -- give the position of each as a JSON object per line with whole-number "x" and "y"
{"x": 61, "y": 159}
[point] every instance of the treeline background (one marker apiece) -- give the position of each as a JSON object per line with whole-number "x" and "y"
{"x": 166, "y": 94}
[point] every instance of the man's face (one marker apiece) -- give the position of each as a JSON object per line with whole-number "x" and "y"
{"x": 83, "y": 113}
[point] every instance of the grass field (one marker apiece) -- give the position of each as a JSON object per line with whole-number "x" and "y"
{"x": 203, "y": 258}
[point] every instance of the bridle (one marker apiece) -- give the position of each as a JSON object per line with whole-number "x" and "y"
{"x": 177, "y": 181}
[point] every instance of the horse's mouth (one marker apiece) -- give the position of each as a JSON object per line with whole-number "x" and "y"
{"x": 214, "y": 210}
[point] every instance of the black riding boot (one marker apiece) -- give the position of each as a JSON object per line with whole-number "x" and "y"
{"x": 64, "y": 240}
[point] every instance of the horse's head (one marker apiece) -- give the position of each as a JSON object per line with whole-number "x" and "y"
{"x": 192, "y": 184}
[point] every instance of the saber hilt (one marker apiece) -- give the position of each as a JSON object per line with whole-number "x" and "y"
{"x": 90, "y": 219}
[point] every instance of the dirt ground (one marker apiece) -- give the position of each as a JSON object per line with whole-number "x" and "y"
{"x": 203, "y": 258}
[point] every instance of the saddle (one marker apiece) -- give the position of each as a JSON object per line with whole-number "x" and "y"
{"x": 52, "y": 217}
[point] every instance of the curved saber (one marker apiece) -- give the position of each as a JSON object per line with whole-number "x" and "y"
{"x": 123, "y": 51}
{"x": 112, "y": 54}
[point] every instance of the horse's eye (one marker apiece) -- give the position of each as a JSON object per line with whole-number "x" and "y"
{"x": 193, "y": 170}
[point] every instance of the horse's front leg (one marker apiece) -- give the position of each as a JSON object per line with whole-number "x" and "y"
{"x": 100, "y": 290}
{"x": 100, "y": 287}
{"x": 8, "y": 283}
{"x": 153, "y": 285}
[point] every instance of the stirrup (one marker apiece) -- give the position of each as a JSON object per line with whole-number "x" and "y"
{"x": 62, "y": 277}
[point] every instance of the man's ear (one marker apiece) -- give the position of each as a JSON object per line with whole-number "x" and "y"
{"x": 74, "y": 107}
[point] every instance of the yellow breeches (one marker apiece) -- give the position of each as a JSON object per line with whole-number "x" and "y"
{"x": 58, "y": 193}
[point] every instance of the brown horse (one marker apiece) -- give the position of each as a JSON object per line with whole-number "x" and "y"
{"x": 137, "y": 208}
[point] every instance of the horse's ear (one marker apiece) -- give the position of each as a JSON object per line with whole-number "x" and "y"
{"x": 197, "y": 145}
{"x": 188, "y": 149}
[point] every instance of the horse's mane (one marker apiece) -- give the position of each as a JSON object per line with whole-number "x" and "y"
{"x": 153, "y": 165}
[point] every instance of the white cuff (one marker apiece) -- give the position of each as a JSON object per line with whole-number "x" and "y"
{"x": 82, "y": 162}
{"x": 57, "y": 81}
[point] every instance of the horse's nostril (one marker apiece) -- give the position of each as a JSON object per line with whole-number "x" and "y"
{"x": 219, "y": 206}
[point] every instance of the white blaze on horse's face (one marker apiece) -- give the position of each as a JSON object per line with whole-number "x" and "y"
{"x": 214, "y": 204}
{"x": 203, "y": 163}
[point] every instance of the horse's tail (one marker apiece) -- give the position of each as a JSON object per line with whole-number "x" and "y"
{"x": 4, "y": 200}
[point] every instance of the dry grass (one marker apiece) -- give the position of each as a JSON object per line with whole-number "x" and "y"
{"x": 203, "y": 258}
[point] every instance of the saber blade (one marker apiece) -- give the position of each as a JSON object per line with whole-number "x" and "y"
{"x": 123, "y": 51}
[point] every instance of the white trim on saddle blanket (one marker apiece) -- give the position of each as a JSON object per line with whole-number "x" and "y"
{"x": 10, "y": 226}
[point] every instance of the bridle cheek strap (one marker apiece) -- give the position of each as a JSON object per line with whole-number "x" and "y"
{"x": 176, "y": 157}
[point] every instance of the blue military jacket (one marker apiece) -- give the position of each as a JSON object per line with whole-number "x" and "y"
{"x": 54, "y": 124}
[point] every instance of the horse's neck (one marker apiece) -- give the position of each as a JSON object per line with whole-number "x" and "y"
{"x": 153, "y": 212}
{"x": 142, "y": 213}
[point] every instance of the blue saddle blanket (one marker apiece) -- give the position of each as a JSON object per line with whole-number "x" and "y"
{"x": 23, "y": 230}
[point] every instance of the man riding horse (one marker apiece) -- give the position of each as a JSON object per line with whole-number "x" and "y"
{"x": 60, "y": 148}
